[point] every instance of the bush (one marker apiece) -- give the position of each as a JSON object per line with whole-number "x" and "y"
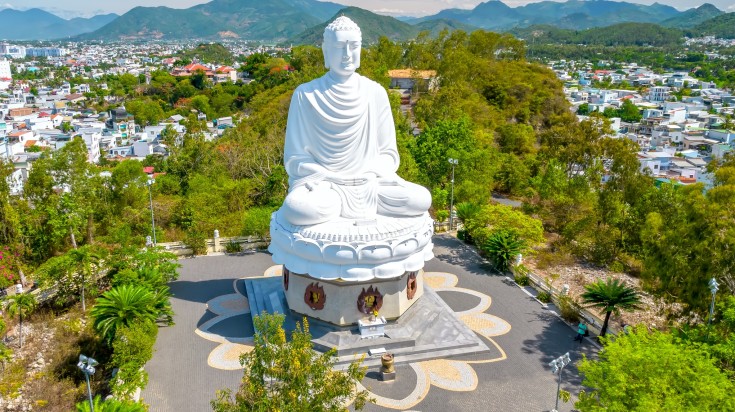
{"x": 233, "y": 247}
{"x": 132, "y": 349}
{"x": 110, "y": 405}
{"x": 257, "y": 222}
{"x": 503, "y": 247}
{"x": 9, "y": 266}
{"x": 442, "y": 215}
{"x": 522, "y": 280}
{"x": 197, "y": 242}
{"x": 568, "y": 309}
{"x": 464, "y": 235}
{"x": 544, "y": 297}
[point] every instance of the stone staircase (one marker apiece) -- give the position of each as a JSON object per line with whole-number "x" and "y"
{"x": 266, "y": 295}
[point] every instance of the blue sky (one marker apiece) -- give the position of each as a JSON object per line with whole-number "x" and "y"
{"x": 86, "y": 8}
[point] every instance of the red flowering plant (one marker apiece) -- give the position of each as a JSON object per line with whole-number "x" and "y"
{"x": 9, "y": 266}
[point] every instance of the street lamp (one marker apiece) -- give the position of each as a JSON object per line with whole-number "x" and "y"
{"x": 86, "y": 365}
{"x": 150, "y": 197}
{"x": 557, "y": 366}
{"x": 454, "y": 163}
{"x": 713, "y": 288}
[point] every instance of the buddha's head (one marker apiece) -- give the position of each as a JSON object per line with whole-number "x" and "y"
{"x": 341, "y": 46}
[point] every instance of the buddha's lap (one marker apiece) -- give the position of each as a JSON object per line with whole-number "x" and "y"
{"x": 305, "y": 206}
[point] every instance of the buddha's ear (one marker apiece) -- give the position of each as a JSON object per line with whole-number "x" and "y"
{"x": 324, "y": 54}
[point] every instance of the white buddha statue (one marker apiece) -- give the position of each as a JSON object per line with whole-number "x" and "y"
{"x": 340, "y": 151}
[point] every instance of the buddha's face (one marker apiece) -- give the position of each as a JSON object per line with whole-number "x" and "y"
{"x": 342, "y": 51}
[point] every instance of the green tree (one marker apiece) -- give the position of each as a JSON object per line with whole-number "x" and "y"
{"x": 495, "y": 217}
{"x": 288, "y": 375}
{"x": 122, "y": 306}
{"x": 257, "y": 221}
{"x": 652, "y": 371}
{"x": 503, "y": 247}
{"x": 583, "y": 109}
{"x": 10, "y": 228}
{"x": 610, "y": 296}
{"x": 22, "y": 305}
{"x": 85, "y": 262}
{"x": 629, "y": 112}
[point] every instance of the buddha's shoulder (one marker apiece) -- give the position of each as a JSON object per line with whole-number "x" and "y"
{"x": 324, "y": 83}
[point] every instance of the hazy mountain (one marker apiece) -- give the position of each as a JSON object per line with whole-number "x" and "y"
{"x": 249, "y": 19}
{"x": 692, "y": 17}
{"x": 622, "y": 34}
{"x": 371, "y": 25}
{"x": 36, "y": 24}
{"x": 572, "y": 14}
{"x": 437, "y": 26}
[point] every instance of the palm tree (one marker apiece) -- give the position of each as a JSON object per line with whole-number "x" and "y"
{"x": 21, "y": 304}
{"x": 84, "y": 258}
{"x": 467, "y": 210}
{"x": 503, "y": 247}
{"x": 122, "y": 306}
{"x": 610, "y": 296}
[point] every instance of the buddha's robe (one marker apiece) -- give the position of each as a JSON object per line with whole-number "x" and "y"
{"x": 341, "y": 156}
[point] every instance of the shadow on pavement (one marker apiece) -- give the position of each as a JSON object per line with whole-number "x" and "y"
{"x": 201, "y": 291}
{"x": 455, "y": 252}
{"x": 553, "y": 342}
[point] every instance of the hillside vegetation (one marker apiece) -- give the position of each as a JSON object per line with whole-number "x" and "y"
{"x": 624, "y": 34}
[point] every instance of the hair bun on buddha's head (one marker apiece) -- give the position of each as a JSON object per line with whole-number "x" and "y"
{"x": 342, "y": 23}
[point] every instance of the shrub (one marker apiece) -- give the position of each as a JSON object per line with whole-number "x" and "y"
{"x": 544, "y": 297}
{"x": 257, "y": 222}
{"x": 520, "y": 275}
{"x": 9, "y": 266}
{"x": 197, "y": 242}
{"x": 123, "y": 306}
{"x": 550, "y": 258}
{"x": 568, "y": 309}
{"x": 503, "y": 247}
{"x": 110, "y": 405}
{"x": 132, "y": 349}
{"x": 233, "y": 247}
{"x": 442, "y": 215}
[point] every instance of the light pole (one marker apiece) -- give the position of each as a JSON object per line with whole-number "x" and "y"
{"x": 150, "y": 197}
{"x": 454, "y": 163}
{"x": 86, "y": 365}
{"x": 557, "y": 366}
{"x": 713, "y": 288}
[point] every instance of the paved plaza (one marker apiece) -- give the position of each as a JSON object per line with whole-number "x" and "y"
{"x": 199, "y": 354}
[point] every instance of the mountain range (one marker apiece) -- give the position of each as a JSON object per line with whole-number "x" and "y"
{"x": 36, "y": 24}
{"x": 301, "y": 21}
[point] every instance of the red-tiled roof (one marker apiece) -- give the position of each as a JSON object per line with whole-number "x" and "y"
{"x": 196, "y": 66}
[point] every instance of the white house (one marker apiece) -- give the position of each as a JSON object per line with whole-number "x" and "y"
{"x": 659, "y": 93}
{"x": 723, "y": 136}
{"x": 91, "y": 137}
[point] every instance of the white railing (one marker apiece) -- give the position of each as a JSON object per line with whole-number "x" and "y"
{"x": 591, "y": 319}
{"x": 217, "y": 245}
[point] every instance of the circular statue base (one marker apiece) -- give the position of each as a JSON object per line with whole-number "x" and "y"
{"x": 344, "y": 303}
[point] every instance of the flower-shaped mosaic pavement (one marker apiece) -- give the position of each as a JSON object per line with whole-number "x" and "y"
{"x": 449, "y": 374}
